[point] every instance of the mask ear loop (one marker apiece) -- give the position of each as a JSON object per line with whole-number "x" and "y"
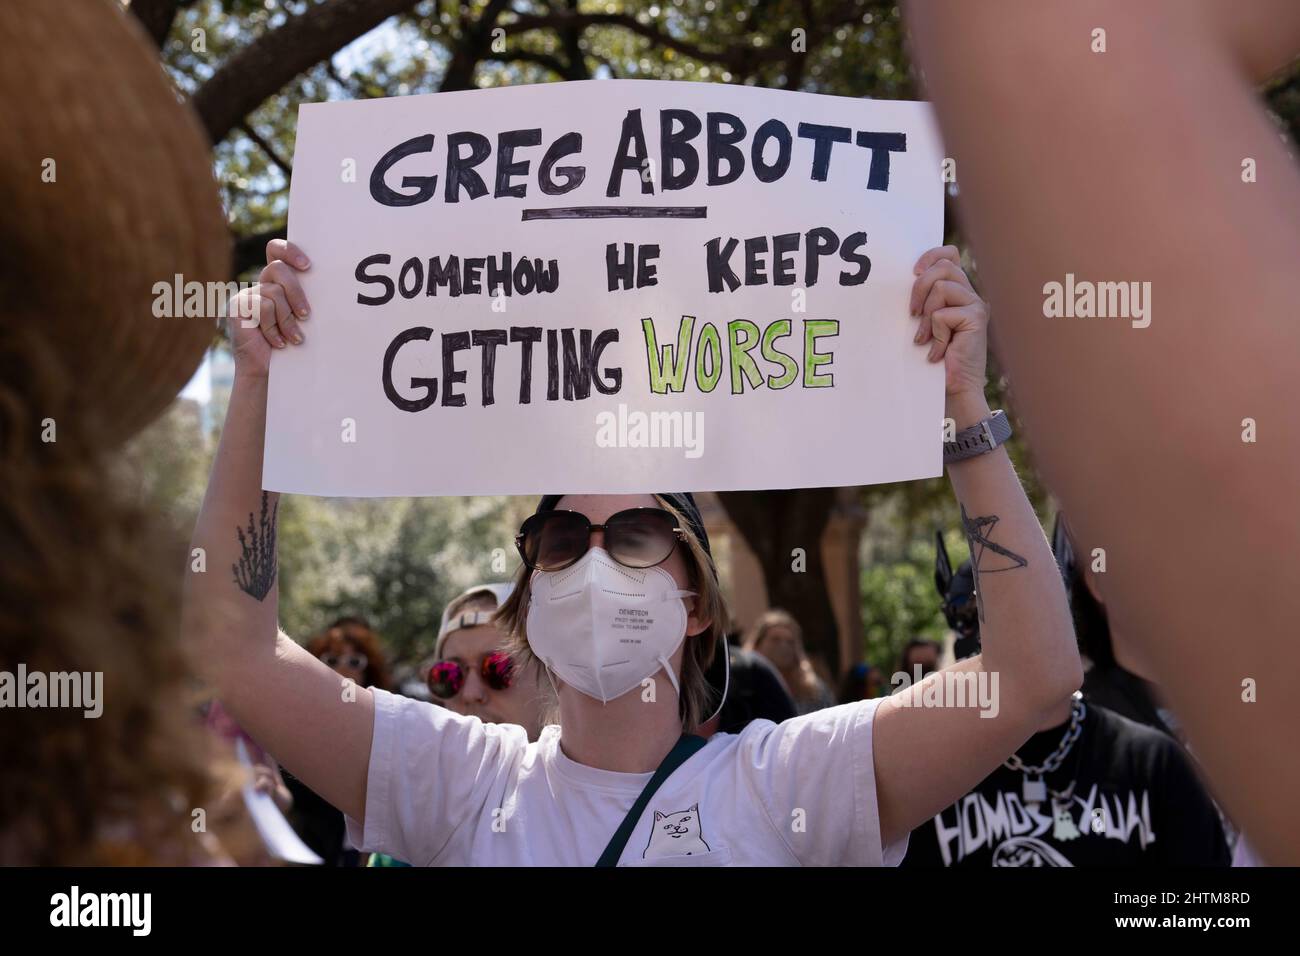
{"x": 555, "y": 690}
{"x": 668, "y": 667}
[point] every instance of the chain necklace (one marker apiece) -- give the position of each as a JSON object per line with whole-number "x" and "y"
{"x": 1033, "y": 788}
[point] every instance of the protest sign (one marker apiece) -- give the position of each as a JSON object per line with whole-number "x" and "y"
{"x": 608, "y": 287}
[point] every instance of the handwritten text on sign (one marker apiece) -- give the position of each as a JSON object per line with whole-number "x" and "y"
{"x": 608, "y": 286}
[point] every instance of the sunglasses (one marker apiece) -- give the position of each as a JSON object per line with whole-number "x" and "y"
{"x": 636, "y": 538}
{"x": 446, "y": 678}
{"x": 356, "y": 662}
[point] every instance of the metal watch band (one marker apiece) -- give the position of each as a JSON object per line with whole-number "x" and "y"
{"x": 980, "y": 439}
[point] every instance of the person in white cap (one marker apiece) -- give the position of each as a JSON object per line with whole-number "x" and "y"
{"x": 472, "y": 673}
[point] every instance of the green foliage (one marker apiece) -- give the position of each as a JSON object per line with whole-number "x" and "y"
{"x": 168, "y": 463}
{"x": 899, "y": 600}
{"x": 395, "y": 562}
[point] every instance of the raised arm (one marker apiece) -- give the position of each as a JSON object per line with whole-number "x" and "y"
{"x": 926, "y": 757}
{"x": 1153, "y": 163}
{"x": 292, "y": 704}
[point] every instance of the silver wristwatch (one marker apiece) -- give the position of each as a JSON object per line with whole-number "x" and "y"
{"x": 980, "y": 439}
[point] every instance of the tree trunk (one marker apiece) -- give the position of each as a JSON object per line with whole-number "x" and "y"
{"x": 775, "y": 524}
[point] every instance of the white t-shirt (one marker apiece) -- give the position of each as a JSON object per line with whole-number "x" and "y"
{"x": 447, "y": 790}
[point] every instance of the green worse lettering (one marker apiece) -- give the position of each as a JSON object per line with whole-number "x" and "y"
{"x": 671, "y": 363}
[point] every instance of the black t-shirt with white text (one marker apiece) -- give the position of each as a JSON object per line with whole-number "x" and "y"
{"x": 1135, "y": 801}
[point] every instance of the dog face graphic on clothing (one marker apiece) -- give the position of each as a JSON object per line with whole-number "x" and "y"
{"x": 676, "y": 834}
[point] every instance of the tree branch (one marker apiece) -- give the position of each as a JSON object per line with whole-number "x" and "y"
{"x": 345, "y": 82}
{"x": 156, "y": 16}
{"x": 554, "y": 64}
{"x": 571, "y": 37}
{"x": 250, "y": 251}
{"x": 267, "y": 148}
{"x": 739, "y": 59}
{"x": 256, "y": 72}
{"x": 471, "y": 47}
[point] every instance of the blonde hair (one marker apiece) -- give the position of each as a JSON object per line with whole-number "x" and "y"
{"x": 696, "y": 702}
{"x": 806, "y": 685}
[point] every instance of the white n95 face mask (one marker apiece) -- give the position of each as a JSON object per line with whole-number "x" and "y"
{"x": 604, "y": 628}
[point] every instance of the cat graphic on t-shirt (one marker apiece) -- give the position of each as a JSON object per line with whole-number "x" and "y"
{"x": 676, "y": 834}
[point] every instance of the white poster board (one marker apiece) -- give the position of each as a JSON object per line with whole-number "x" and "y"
{"x": 608, "y": 287}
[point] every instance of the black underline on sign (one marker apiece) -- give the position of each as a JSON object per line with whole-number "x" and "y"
{"x": 618, "y": 212}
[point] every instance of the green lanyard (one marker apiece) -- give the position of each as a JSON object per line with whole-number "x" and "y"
{"x": 682, "y": 751}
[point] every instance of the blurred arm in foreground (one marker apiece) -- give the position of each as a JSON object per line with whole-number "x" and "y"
{"x": 1130, "y": 166}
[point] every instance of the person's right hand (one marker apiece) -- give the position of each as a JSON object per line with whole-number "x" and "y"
{"x": 267, "y": 315}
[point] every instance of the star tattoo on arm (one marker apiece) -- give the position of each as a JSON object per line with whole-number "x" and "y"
{"x": 255, "y": 572}
{"x": 984, "y": 552}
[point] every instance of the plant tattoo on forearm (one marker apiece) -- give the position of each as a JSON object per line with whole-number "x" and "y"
{"x": 978, "y": 532}
{"x": 255, "y": 572}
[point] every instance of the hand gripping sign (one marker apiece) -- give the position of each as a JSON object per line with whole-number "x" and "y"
{"x": 608, "y": 287}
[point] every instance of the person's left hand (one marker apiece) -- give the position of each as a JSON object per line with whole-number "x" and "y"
{"x": 954, "y": 320}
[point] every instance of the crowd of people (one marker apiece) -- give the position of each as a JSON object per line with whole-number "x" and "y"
{"x": 1105, "y": 780}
